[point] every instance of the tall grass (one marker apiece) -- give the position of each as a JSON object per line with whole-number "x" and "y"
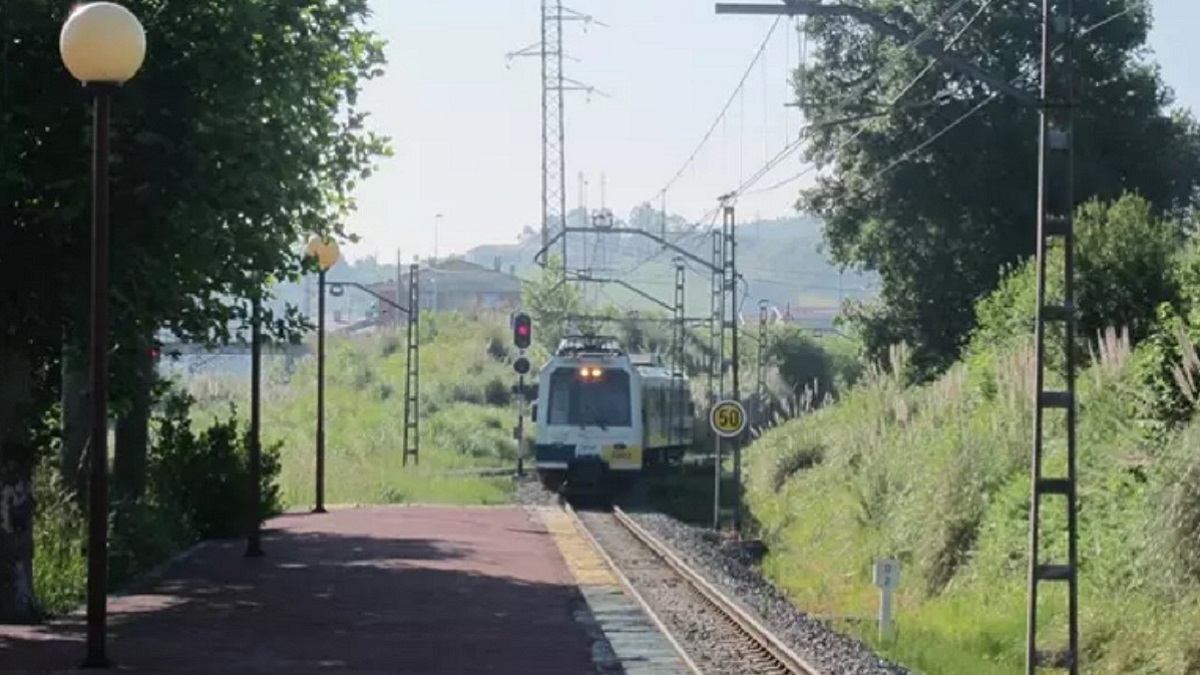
{"x": 938, "y": 477}
{"x": 466, "y": 413}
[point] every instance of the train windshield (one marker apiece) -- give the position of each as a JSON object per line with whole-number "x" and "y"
{"x": 600, "y": 400}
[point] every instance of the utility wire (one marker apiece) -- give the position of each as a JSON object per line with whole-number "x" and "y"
{"x": 720, "y": 115}
{"x": 787, "y": 149}
{"x": 895, "y": 99}
{"x": 994, "y": 95}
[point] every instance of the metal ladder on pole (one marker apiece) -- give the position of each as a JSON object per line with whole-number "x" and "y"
{"x": 730, "y": 322}
{"x": 716, "y": 374}
{"x": 412, "y": 379}
{"x": 716, "y": 343}
{"x": 677, "y": 366}
{"x": 1056, "y": 204}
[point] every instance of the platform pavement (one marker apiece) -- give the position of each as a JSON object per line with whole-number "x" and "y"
{"x": 365, "y": 590}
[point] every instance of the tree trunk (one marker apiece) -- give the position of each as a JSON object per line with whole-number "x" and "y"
{"x": 133, "y": 430}
{"x": 75, "y": 431}
{"x": 17, "y": 458}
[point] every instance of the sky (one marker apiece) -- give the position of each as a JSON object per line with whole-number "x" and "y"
{"x": 465, "y": 121}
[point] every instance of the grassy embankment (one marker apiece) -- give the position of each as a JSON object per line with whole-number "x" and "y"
{"x": 938, "y": 476}
{"x": 467, "y": 412}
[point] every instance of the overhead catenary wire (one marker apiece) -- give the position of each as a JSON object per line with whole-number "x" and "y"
{"x": 721, "y": 115}
{"x": 1135, "y": 4}
{"x": 744, "y": 189}
{"x": 786, "y": 151}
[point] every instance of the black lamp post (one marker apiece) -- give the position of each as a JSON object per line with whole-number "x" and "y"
{"x": 254, "y": 535}
{"x": 102, "y": 45}
{"x": 327, "y": 254}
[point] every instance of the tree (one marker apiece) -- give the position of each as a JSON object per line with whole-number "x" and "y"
{"x": 551, "y": 302}
{"x": 1126, "y": 267}
{"x": 938, "y": 218}
{"x": 238, "y": 137}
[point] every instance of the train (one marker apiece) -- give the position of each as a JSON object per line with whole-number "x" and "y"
{"x": 605, "y": 417}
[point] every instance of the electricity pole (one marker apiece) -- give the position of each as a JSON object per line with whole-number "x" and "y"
{"x": 1056, "y": 204}
{"x": 678, "y": 336}
{"x": 412, "y": 372}
{"x": 554, "y": 84}
{"x": 759, "y": 380}
{"x": 730, "y": 271}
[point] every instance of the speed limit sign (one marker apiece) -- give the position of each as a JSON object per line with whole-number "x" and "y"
{"x": 727, "y": 418}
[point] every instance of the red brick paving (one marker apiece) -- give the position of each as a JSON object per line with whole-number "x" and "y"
{"x": 381, "y": 590}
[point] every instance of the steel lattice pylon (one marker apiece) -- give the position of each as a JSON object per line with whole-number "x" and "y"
{"x": 554, "y": 163}
{"x": 554, "y": 84}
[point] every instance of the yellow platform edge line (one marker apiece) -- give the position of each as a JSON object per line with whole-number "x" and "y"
{"x": 585, "y": 564}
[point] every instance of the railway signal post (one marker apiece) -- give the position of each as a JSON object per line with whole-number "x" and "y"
{"x": 728, "y": 420}
{"x": 522, "y": 326}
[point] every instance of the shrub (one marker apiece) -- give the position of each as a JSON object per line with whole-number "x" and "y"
{"x": 203, "y": 477}
{"x": 196, "y": 489}
{"x": 1123, "y": 273}
{"x": 800, "y": 360}
{"x": 497, "y": 393}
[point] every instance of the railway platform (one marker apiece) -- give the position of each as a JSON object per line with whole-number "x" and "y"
{"x": 405, "y": 589}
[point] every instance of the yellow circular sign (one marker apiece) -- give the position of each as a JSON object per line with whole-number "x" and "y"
{"x": 728, "y": 418}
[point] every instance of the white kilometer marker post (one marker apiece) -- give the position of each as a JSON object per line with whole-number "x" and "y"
{"x": 886, "y": 576}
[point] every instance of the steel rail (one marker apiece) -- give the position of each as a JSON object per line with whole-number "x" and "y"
{"x": 633, "y": 593}
{"x": 738, "y": 616}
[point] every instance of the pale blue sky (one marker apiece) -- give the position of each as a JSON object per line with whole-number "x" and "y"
{"x": 467, "y": 129}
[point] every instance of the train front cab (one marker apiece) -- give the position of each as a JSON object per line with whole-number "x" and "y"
{"x": 589, "y": 439}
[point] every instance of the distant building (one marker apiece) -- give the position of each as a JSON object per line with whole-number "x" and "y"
{"x": 455, "y": 284}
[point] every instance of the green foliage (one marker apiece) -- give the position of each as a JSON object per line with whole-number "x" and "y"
{"x": 205, "y": 204}
{"x": 1124, "y": 258}
{"x": 204, "y": 475}
{"x": 800, "y": 361}
{"x": 1123, "y": 270}
{"x": 550, "y": 301}
{"x": 239, "y": 136}
{"x": 939, "y": 224}
{"x": 938, "y": 476}
{"x": 197, "y": 489}
{"x": 465, "y": 404}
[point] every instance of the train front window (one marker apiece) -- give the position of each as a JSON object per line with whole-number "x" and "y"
{"x": 589, "y": 400}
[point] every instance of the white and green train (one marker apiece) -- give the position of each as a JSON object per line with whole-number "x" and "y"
{"x": 603, "y": 418}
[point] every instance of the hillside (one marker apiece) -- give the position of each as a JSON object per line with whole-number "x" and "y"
{"x": 937, "y": 475}
{"x": 780, "y": 259}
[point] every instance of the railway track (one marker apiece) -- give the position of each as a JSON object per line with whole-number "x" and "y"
{"x": 713, "y": 634}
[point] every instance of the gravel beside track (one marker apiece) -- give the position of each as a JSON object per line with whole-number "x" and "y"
{"x": 715, "y": 645}
{"x": 529, "y": 492}
{"x": 732, "y": 572}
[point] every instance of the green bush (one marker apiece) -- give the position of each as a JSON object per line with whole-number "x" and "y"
{"x": 800, "y": 361}
{"x": 196, "y": 488}
{"x": 1124, "y": 270}
{"x": 203, "y": 477}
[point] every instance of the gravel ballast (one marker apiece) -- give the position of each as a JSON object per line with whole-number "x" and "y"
{"x": 529, "y": 492}
{"x": 714, "y": 643}
{"x": 729, "y": 570}
{"x": 732, "y": 571}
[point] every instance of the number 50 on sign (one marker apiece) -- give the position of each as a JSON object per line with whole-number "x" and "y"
{"x": 727, "y": 418}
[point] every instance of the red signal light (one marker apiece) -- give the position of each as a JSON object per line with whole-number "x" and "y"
{"x": 522, "y": 328}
